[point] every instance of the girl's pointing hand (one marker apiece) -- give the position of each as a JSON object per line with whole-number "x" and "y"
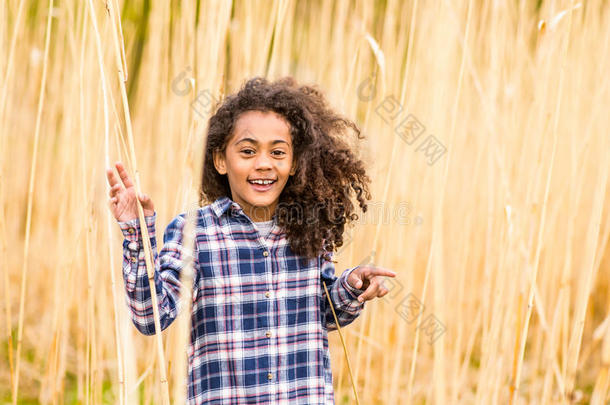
{"x": 370, "y": 278}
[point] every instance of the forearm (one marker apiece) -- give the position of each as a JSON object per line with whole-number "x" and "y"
{"x": 345, "y": 302}
{"x": 135, "y": 275}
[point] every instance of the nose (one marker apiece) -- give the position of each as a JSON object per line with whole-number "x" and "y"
{"x": 262, "y": 161}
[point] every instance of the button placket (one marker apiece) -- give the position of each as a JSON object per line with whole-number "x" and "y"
{"x": 268, "y": 274}
{"x": 269, "y": 295}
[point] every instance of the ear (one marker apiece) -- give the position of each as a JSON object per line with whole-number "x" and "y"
{"x": 293, "y": 169}
{"x": 219, "y": 162}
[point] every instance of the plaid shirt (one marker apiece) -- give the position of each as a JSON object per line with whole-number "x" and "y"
{"x": 260, "y": 316}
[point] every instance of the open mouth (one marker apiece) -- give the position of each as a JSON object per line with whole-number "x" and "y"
{"x": 262, "y": 185}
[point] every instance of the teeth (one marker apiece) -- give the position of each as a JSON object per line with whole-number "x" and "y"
{"x": 261, "y": 181}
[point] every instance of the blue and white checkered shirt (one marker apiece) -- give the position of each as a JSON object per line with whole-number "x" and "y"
{"x": 260, "y": 316}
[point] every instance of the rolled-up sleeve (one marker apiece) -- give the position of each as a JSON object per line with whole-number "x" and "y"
{"x": 168, "y": 264}
{"x": 344, "y": 297}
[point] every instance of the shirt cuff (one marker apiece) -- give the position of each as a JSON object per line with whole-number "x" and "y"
{"x": 132, "y": 232}
{"x": 354, "y": 292}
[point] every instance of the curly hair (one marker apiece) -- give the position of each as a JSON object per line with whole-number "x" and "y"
{"x": 315, "y": 204}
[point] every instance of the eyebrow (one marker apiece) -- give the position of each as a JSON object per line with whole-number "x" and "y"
{"x": 254, "y": 141}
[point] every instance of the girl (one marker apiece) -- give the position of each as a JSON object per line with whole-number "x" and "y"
{"x": 278, "y": 179}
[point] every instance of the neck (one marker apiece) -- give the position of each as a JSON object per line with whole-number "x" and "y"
{"x": 258, "y": 213}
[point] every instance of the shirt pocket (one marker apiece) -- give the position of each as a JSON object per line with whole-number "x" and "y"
{"x": 211, "y": 278}
{"x": 244, "y": 302}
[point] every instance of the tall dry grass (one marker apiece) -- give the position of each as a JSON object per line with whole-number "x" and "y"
{"x": 507, "y": 236}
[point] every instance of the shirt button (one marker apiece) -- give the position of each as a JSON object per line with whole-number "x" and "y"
{"x": 269, "y": 376}
{"x": 131, "y": 231}
{"x": 265, "y": 253}
{"x": 268, "y": 333}
{"x": 134, "y": 259}
{"x": 267, "y": 294}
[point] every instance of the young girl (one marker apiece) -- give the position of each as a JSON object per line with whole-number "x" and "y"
{"x": 279, "y": 177}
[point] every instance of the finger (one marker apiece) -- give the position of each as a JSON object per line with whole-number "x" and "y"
{"x": 123, "y": 174}
{"x": 113, "y": 190}
{"x": 382, "y": 292}
{"x": 112, "y": 180}
{"x": 378, "y": 271}
{"x": 369, "y": 293}
{"x": 146, "y": 201}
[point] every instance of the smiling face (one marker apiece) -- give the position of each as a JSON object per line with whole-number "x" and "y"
{"x": 258, "y": 152}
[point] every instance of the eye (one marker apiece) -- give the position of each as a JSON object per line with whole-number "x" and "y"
{"x": 280, "y": 152}
{"x": 246, "y": 151}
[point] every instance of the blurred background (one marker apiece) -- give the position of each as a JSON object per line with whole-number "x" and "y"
{"x": 487, "y": 140}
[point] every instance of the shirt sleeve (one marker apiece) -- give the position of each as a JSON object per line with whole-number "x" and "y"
{"x": 344, "y": 297}
{"x": 168, "y": 264}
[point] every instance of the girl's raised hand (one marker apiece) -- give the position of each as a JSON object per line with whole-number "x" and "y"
{"x": 122, "y": 194}
{"x": 370, "y": 279}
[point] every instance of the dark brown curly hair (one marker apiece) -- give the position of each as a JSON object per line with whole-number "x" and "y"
{"x": 315, "y": 204}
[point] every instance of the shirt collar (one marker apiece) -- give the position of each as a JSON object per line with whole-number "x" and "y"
{"x": 222, "y": 204}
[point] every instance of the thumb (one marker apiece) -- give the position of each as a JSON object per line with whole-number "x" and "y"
{"x": 145, "y": 200}
{"x": 357, "y": 280}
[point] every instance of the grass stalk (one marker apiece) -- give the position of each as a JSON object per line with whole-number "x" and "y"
{"x": 26, "y": 245}
{"x": 114, "y": 16}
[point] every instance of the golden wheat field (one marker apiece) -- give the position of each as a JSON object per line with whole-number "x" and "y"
{"x": 487, "y": 140}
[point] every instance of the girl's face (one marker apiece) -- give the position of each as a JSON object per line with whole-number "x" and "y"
{"x": 259, "y": 151}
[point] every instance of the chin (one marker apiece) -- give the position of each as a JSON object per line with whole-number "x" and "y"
{"x": 262, "y": 201}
